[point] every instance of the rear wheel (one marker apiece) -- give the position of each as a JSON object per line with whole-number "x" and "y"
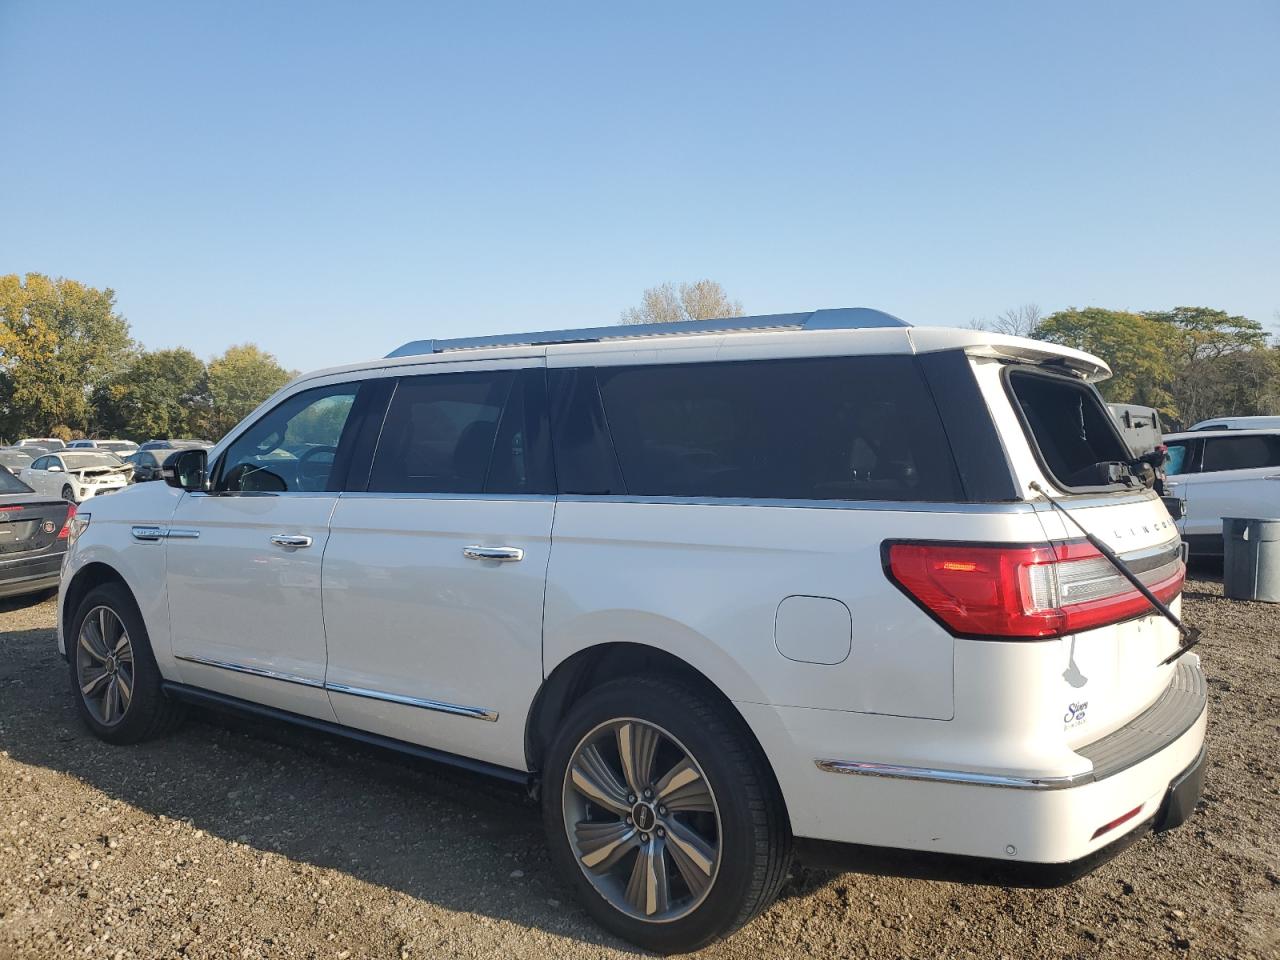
{"x": 662, "y": 814}
{"x": 114, "y": 676}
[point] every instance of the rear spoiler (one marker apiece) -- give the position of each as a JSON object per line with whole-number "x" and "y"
{"x": 1085, "y": 366}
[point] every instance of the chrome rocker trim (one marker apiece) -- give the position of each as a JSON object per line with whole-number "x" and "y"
{"x": 1174, "y": 712}
{"x": 439, "y": 706}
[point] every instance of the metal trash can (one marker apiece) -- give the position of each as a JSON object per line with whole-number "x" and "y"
{"x": 1251, "y": 561}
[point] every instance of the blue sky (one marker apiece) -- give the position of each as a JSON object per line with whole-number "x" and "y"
{"x": 330, "y": 180}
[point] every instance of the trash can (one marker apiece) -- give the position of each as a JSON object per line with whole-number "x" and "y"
{"x": 1251, "y": 561}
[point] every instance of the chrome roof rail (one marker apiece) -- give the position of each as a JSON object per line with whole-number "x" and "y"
{"x": 846, "y": 318}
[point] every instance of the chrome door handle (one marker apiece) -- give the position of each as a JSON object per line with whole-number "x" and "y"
{"x": 1274, "y": 476}
{"x": 289, "y": 540}
{"x": 501, "y": 554}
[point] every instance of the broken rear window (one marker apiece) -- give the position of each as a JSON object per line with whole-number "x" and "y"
{"x": 1070, "y": 430}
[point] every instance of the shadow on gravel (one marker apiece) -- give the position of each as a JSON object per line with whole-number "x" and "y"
{"x": 461, "y": 841}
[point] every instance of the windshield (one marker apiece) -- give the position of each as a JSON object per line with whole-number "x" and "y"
{"x": 11, "y": 484}
{"x": 85, "y": 460}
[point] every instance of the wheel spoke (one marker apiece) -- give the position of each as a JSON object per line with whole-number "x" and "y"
{"x": 102, "y": 627}
{"x": 601, "y": 845}
{"x": 693, "y": 856}
{"x": 87, "y": 644}
{"x": 123, "y": 649}
{"x": 110, "y": 702}
{"x": 637, "y": 744}
{"x": 124, "y": 690}
{"x": 683, "y": 789}
{"x": 647, "y": 890}
{"x": 92, "y": 681}
{"x": 596, "y": 781}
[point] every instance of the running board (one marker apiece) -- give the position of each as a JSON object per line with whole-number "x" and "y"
{"x": 220, "y": 701}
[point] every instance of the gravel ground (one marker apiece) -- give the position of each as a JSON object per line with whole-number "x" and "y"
{"x": 230, "y": 840}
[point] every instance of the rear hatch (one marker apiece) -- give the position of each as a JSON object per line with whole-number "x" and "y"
{"x": 1062, "y": 438}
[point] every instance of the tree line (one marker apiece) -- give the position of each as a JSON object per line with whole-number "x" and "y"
{"x": 70, "y": 368}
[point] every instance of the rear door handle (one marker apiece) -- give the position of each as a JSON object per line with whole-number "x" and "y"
{"x": 501, "y": 554}
{"x": 291, "y": 540}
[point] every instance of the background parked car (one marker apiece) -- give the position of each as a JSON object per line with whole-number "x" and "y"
{"x": 1222, "y": 473}
{"x": 121, "y": 448}
{"x": 46, "y": 443}
{"x": 77, "y": 475}
{"x": 33, "y": 537}
{"x": 16, "y": 459}
{"x": 1238, "y": 423}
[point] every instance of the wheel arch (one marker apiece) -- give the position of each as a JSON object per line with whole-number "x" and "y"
{"x": 91, "y": 575}
{"x": 592, "y": 666}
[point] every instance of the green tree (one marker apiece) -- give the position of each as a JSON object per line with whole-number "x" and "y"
{"x": 162, "y": 395}
{"x": 702, "y": 300}
{"x": 1137, "y": 348}
{"x": 59, "y": 341}
{"x": 1221, "y": 363}
{"x": 238, "y": 381}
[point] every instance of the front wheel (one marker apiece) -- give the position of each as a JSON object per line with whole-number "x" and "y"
{"x": 68, "y": 493}
{"x": 663, "y": 815}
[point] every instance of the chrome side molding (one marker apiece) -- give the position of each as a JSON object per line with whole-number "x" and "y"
{"x": 150, "y": 533}
{"x": 251, "y": 671}
{"x": 439, "y": 706}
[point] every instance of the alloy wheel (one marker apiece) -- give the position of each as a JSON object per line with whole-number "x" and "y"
{"x": 642, "y": 820}
{"x": 104, "y": 666}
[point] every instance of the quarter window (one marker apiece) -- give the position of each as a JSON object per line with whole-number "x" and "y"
{"x": 292, "y": 447}
{"x": 829, "y": 428}
{"x": 1240, "y": 453}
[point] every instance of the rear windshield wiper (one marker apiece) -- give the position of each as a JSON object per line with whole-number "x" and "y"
{"x": 1190, "y": 635}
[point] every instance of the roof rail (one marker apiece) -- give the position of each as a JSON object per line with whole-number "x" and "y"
{"x": 846, "y": 318}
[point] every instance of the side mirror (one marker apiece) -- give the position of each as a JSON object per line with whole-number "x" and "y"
{"x": 186, "y": 469}
{"x": 53, "y": 468}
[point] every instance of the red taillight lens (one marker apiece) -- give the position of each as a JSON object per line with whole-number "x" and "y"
{"x": 1023, "y": 592}
{"x": 66, "y": 524}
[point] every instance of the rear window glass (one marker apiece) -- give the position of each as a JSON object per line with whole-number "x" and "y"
{"x": 1240, "y": 453}
{"x": 829, "y": 428}
{"x": 11, "y": 484}
{"x": 1069, "y": 425}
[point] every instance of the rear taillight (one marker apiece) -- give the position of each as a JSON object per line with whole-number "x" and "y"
{"x": 66, "y": 524}
{"x": 1021, "y": 592}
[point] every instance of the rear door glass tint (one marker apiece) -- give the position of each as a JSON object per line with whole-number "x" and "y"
{"x": 1240, "y": 453}
{"x": 828, "y": 428}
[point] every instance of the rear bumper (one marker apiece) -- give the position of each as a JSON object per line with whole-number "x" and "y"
{"x": 30, "y": 574}
{"x": 1146, "y": 774}
{"x": 1179, "y": 801}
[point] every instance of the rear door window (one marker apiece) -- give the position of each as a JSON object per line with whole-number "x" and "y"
{"x": 481, "y": 432}
{"x": 1070, "y": 429}
{"x": 1240, "y": 453}
{"x": 827, "y": 428}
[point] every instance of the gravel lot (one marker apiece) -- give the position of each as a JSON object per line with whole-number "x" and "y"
{"x": 229, "y": 840}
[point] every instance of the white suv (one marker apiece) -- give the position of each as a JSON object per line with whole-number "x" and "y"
{"x": 727, "y": 592}
{"x": 1222, "y": 473}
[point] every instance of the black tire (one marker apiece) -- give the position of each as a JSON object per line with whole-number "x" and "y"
{"x": 754, "y": 832}
{"x": 68, "y": 493}
{"x": 149, "y": 713}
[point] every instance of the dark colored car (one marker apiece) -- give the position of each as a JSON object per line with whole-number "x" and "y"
{"x": 146, "y": 464}
{"x": 33, "y": 537}
{"x": 174, "y": 444}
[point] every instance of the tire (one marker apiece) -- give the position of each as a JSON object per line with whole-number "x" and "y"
{"x": 68, "y": 493}
{"x": 139, "y": 710}
{"x": 724, "y": 853}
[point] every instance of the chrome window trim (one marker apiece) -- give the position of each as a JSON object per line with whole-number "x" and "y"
{"x": 439, "y": 706}
{"x": 374, "y": 495}
{"x": 251, "y": 671}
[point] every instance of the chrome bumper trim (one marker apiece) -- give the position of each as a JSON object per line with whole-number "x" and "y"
{"x": 1174, "y": 712}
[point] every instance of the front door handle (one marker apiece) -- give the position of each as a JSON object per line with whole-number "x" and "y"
{"x": 291, "y": 540}
{"x": 501, "y": 554}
